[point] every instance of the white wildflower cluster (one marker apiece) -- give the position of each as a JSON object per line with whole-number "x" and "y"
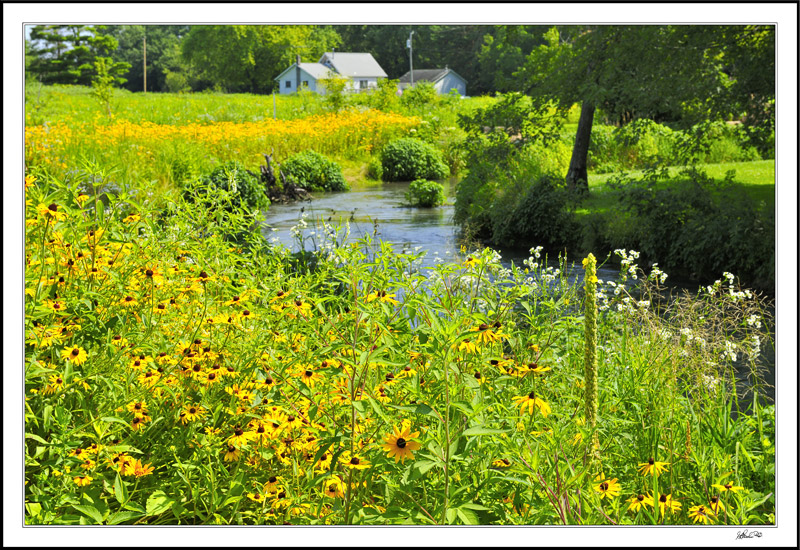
{"x": 737, "y": 295}
{"x": 690, "y": 337}
{"x": 709, "y": 381}
{"x": 297, "y": 230}
{"x": 550, "y": 274}
{"x": 627, "y": 265}
{"x": 644, "y": 304}
{"x": 657, "y": 275}
{"x": 531, "y": 262}
{"x": 730, "y": 351}
{"x": 626, "y": 305}
{"x": 617, "y": 288}
{"x": 755, "y": 346}
{"x": 754, "y": 321}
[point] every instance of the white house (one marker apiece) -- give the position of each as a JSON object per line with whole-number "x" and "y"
{"x": 360, "y": 69}
{"x": 443, "y": 80}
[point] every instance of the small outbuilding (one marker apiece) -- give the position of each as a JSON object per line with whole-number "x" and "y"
{"x": 443, "y": 80}
{"x": 360, "y": 69}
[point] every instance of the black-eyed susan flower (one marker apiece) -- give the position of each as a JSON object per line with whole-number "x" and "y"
{"x": 74, "y": 354}
{"x": 231, "y": 454}
{"x": 399, "y": 445}
{"x": 118, "y": 341}
{"x": 292, "y": 421}
{"x": 136, "y": 468}
{"x": 701, "y": 514}
{"x": 138, "y": 408}
{"x": 382, "y": 296}
{"x": 536, "y": 368}
{"x": 149, "y": 378}
{"x": 192, "y": 412}
{"x": 488, "y": 333}
{"x": 355, "y": 462}
{"x": 272, "y": 484}
{"x": 607, "y": 488}
{"x": 51, "y": 212}
{"x": 666, "y": 502}
{"x": 639, "y": 501}
{"x": 310, "y": 377}
{"x": 138, "y": 422}
{"x": 128, "y": 301}
{"x": 56, "y": 384}
{"x": 716, "y": 505}
{"x": 334, "y": 488}
{"x": 257, "y": 497}
{"x": 728, "y": 487}
{"x": 652, "y": 467}
{"x": 82, "y": 481}
{"x": 471, "y": 261}
{"x": 468, "y": 346}
{"x": 239, "y": 437}
{"x": 530, "y": 401}
{"x": 501, "y": 463}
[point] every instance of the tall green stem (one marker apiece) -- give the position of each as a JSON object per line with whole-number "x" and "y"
{"x": 590, "y": 353}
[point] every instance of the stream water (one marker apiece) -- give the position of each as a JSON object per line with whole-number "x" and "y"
{"x": 378, "y": 210}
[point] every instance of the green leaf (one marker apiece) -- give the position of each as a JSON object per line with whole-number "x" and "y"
{"x": 113, "y": 419}
{"x": 467, "y": 516}
{"x": 158, "y": 503}
{"x": 36, "y": 438}
{"x": 90, "y": 511}
{"x": 121, "y": 517}
{"x": 120, "y": 491}
{"x": 482, "y": 430}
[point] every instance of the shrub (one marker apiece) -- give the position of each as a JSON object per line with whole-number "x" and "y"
{"x": 375, "y": 168}
{"x": 421, "y": 94}
{"x": 425, "y": 193}
{"x": 244, "y": 187}
{"x": 314, "y": 171}
{"x": 542, "y": 217}
{"x": 409, "y": 159}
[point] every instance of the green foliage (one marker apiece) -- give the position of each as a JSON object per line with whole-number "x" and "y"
{"x": 244, "y": 187}
{"x": 65, "y": 54}
{"x": 409, "y": 159}
{"x": 699, "y": 225}
{"x": 314, "y": 171}
{"x": 541, "y": 215}
{"x": 419, "y": 95}
{"x": 334, "y": 89}
{"x": 425, "y": 193}
{"x": 104, "y": 80}
{"x": 247, "y": 58}
{"x": 375, "y": 168}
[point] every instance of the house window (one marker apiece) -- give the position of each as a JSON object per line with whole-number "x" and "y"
{"x": 363, "y": 84}
{"x": 305, "y": 83}
{"x": 288, "y": 84}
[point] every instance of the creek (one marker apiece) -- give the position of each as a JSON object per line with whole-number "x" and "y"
{"x": 378, "y": 210}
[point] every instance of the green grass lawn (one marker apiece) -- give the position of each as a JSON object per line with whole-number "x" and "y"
{"x": 757, "y": 178}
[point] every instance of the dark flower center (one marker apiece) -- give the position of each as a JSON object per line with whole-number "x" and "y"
{"x": 128, "y": 298}
{"x": 231, "y": 448}
{"x": 497, "y": 324}
{"x": 246, "y": 312}
{"x": 506, "y": 461}
{"x": 662, "y": 498}
{"x": 728, "y": 485}
{"x": 212, "y": 376}
{"x": 161, "y": 306}
{"x": 651, "y": 462}
{"x": 308, "y": 374}
{"x": 604, "y": 486}
{"x": 273, "y": 479}
{"x": 324, "y": 364}
{"x": 261, "y": 430}
{"x": 59, "y": 381}
{"x": 280, "y": 293}
{"x": 714, "y": 499}
{"x": 137, "y": 363}
{"x": 235, "y": 298}
{"x": 53, "y": 207}
{"x": 137, "y": 406}
{"x": 257, "y": 496}
{"x": 298, "y": 303}
{"x": 290, "y": 418}
{"x": 203, "y": 275}
{"x": 238, "y": 431}
{"x": 494, "y": 362}
{"x": 640, "y": 498}
{"x": 149, "y": 272}
{"x": 75, "y": 352}
{"x": 355, "y": 462}
{"x": 196, "y": 368}
{"x": 477, "y": 375}
{"x": 532, "y": 395}
{"x": 192, "y": 410}
{"x": 389, "y": 377}
{"x": 401, "y": 442}
{"x": 268, "y": 381}
{"x": 483, "y": 326}
{"x": 137, "y": 420}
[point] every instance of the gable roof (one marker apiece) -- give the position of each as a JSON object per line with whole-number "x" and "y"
{"x": 353, "y": 64}
{"x": 430, "y": 75}
{"x": 316, "y": 70}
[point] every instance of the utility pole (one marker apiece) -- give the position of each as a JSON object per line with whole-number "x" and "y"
{"x": 144, "y": 50}
{"x": 411, "y": 56}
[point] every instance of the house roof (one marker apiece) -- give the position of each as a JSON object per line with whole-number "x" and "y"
{"x": 353, "y": 64}
{"x": 430, "y": 75}
{"x": 316, "y": 70}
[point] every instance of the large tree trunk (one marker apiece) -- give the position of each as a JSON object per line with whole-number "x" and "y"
{"x": 577, "y": 176}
